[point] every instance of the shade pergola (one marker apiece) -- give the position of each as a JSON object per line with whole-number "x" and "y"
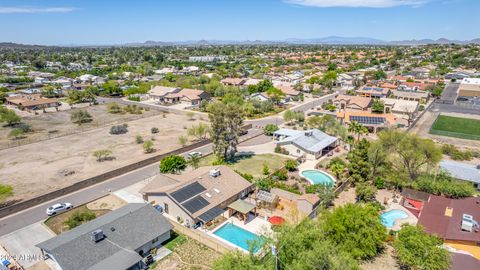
{"x": 242, "y": 207}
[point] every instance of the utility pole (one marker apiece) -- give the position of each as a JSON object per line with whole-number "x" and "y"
{"x": 274, "y": 253}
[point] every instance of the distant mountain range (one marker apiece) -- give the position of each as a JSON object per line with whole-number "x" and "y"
{"x": 331, "y": 40}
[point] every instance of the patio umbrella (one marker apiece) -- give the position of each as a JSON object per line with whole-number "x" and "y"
{"x": 276, "y": 220}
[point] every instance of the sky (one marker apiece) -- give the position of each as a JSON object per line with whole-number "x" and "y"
{"x": 106, "y": 22}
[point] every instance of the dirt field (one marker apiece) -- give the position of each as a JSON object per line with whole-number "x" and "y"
{"x": 40, "y": 167}
{"x": 56, "y": 124}
{"x": 422, "y": 128}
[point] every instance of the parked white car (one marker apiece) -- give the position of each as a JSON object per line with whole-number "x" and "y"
{"x": 59, "y": 208}
{"x": 194, "y": 154}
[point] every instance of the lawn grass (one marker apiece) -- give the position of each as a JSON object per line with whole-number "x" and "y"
{"x": 457, "y": 127}
{"x": 252, "y": 165}
{"x": 175, "y": 241}
{"x": 57, "y": 223}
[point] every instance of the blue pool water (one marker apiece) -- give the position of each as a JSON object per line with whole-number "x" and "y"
{"x": 318, "y": 177}
{"x": 388, "y": 218}
{"x": 237, "y": 236}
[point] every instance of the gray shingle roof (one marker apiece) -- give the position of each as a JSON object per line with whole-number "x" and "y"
{"x": 462, "y": 171}
{"x": 134, "y": 225}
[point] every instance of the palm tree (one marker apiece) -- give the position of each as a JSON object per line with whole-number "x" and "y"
{"x": 356, "y": 128}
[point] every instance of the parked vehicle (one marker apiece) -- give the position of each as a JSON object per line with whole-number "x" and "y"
{"x": 59, "y": 208}
{"x": 194, "y": 154}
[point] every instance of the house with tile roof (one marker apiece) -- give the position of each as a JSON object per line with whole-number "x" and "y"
{"x": 346, "y": 102}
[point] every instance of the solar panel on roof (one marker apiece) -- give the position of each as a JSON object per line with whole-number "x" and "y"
{"x": 195, "y": 204}
{"x": 210, "y": 214}
{"x": 368, "y": 120}
{"x": 188, "y": 192}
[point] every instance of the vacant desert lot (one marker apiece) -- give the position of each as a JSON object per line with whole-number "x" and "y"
{"x": 40, "y": 167}
{"x": 52, "y": 125}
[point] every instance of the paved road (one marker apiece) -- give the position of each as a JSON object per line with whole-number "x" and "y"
{"x": 29, "y": 216}
{"x": 454, "y": 108}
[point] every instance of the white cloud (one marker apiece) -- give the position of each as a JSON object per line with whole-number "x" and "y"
{"x": 358, "y": 3}
{"x": 31, "y": 10}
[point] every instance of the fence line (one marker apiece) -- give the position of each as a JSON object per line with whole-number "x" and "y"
{"x": 202, "y": 238}
{"x": 412, "y": 125}
{"x": 5, "y": 211}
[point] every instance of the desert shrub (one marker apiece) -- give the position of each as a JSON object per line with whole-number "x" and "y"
{"x": 139, "y": 139}
{"x": 120, "y": 129}
{"x": 281, "y": 174}
{"x": 291, "y": 165}
{"x": 154, "y": 130}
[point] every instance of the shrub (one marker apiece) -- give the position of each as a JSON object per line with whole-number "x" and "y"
{"x": 114, "y": 108}
{"x": 172, "y": 164}
{"x": 24, "y": 127}
{"x": 291, "y": 165}
{"x": 379, "y": 182}
{"x": 133, "y": 109}
{"x": 281, "y": 150}
{"x": 443, "y": 184}
{"x": 265, "y": 169}
{"x": 365, "y": 192}
{"x": 416, "y": 249}
{"x": 78, "y": 218}
{"x": 134, "y": 98}
{"x": 270, "y": 129}
{"x": 120, "y": 129}
{"x": 281, "y": 175}
{"x": 139, "y": 139}
{"x": 154, "y": 130}
{"x": 148, "y": 147}
{"x": 81, "y": 117}
{"x": 456, "y": 154}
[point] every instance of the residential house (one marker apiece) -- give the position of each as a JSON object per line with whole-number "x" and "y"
{"x": 345, "y": 81}
{"x": 311, "y": 144}
{"x": 374, "y": 122}
{"x": 453, "y": 220}
{"x": 199, "y": 196}
{"x": 251, "y": 81}
{"x": 462, "y": 171}
{"x": 373, "y": 92}
{"x": 288, "y": 90}
{"x": 414, "y": 86}
{"x": 193, "y": 97}
{"x": 259, "y": 96}
{"x": 117, "y": 240}
{"x": 233, "y": 81}
{"x": 346, "y": 102}
{"x": 418, "y": 96}
{"x": 158, "y": 93}
{"x": 400, "y": 106}
{"x": 32, "y": 102}
{"x": 469, "y": 87}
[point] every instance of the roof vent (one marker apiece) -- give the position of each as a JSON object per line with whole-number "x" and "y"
{"x": 97, "y": 235}
{"x": 215, "y": 172}
{"x": 112, "y": 229}
{"x": 216, "y": 190}
{"x": 208, "y": 195}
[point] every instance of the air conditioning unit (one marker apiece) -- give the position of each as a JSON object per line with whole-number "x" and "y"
{"x": 96, "y": 235}
{"x": 467, "y": 223}
{"x": 215, "y": 173}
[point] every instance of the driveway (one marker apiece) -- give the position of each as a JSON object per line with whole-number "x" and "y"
{"x": 21, "y": 243}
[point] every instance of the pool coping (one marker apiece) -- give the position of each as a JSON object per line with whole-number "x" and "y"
{"x": 322, "y": 171}
{"x": 212, "y": 233}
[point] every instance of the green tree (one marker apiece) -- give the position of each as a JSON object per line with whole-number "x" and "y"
{"x": 358, "y": 166}
{"x": 172, "y": 164}
{"x": 416, "y": 249}
{"x": 269, "y": 129}
{"x": 102, "y": 154}
{"x": 378, "y": 106}
{"x": 275, "y": 94}
{"x": 148, "y": 147}
{"x": 265, "y": 169}
{"x": 291, "y": 165}
{"x": 365, "y": 192}
{"x": 357, "y": 129}
{"x": 289, "y": 116}
{"x": 199, "y": 131}
{"x": 81, "y": 117}
{"x": 225, "y": 126}
{"x": 194, "y": 161}
{"x": 329, "y": 79}
{"x": 355, "y": 229}
{"x": 9, "y": 116}
{"x": 410, "y": 152}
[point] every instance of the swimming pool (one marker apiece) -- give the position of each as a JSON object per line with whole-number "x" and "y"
{"x": 318, "y": 177}
{"x": 238, "y": 236}
{"x": 388, "y": 218}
